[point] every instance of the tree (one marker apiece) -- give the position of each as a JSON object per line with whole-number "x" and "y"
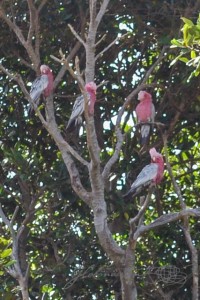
{"x": 103, "y": 247}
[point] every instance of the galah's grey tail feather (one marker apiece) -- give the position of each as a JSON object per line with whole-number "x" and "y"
{"x": 145, "y": 131}
{"x": 77, "y": 110}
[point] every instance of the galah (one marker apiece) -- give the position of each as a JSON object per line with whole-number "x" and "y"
{"x": 145, "y": 112}
{"x": 151, "y": 173}
{"x": 91, "y": 88}
{"x": 42, "y": 84}
{"x": 78, "y": 107}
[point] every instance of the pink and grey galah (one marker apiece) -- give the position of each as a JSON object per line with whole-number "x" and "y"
{"x": 151, "y": 173}
{"x": 42, "y": 84}
{"x": 91, "y": 89}
{"x": 145, "y": 112}
{"x": 78, "y": 107}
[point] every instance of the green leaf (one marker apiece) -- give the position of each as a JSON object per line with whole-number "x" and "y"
{"x": 186, "y": 35}
{"x": 184, "y": 59}
{"x": 4, "y": 242}
{"x": 193, "y": 54}
{"x": 5, "y": 253}
{"x": 10, "y": 263}
{"x": 179, "y": 57}
{"x": 177, "y": 43}
{"x": 187, "y": 21}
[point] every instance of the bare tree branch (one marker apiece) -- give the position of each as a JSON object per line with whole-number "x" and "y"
{"x": 142, "y": 209}
{"x": 93, "y": 8}
{"x": 115, "y": 156}
{"x": 5, "y": 219}
{"x": 76, "y": 35}
{"x": 118, "y": 38}
{"x": 101, "y": 39}
{"x": 63, "y": 69}
{"x": 26, "y": 44}
{"x": 14, "y": 216}
{"x": 165, "y": 219}
{"x": 32, "y": 18}
{"x": 101, "y": 12}
{"x": 42, "y": 4}
{"x": 76, "y": 76}
{"x": 15, "y": 271}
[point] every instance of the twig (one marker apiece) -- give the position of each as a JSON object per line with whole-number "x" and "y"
{"x": 42, "y": 4}
{"x": 115, "y": 156}
{"x": 25, "y": 43}
{"x": 104, "y": 82}
{"x": 76, "y": 35}
{"x": 5, "y": 219}
{"x": 14, "y": 215}
{"x": 118, "y": 38}
{"x": 143, "y": 208}
{"x": 64, "y": 61}
{"x": 63, "y": 69}
{"x": 101, "y": 39}
{"x": 32, "y": 18}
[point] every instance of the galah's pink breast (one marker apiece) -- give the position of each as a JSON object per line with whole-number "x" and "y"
{"x": 143, "y": 111}
{"x": 47, "y": 92}
{"x": 160, "y": 172}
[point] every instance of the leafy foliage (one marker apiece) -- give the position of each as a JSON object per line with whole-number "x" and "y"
{"x": 189, "y": 45}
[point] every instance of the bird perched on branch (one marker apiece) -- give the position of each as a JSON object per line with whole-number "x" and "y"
{"x": 145, "y": 112}
{"x": 42, "y": 84}
{"x": 78, "y": 107}
{"x": 91, "y": 88}
{"x": 151, "y": 173}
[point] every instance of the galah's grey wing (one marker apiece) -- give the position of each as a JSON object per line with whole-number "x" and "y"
{"x": 38, "y": 86}
{"x": 147, "y": 174}
{"x": 77, "y": 111}
{"x": 144, "y": 178}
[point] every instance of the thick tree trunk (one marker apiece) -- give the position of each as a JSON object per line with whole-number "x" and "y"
{"x": 24, "y": 288}
{"x": 127, "y": 277}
